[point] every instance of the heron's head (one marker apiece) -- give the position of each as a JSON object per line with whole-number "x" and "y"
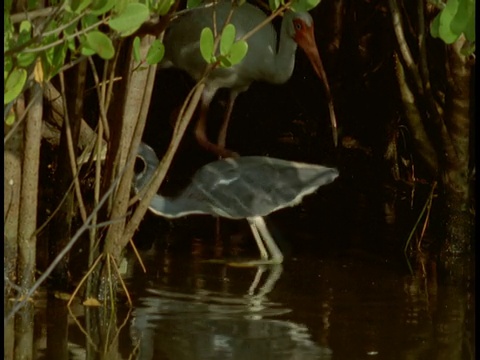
{"x": 300, "y": 28}
{"x": 145, "y": 165}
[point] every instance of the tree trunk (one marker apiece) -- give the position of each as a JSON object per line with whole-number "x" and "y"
{"x": 459, "y": 218}
{"x": 12, "y": 181}
{"x": 60, "y": 229}
{"x": 27, "y": 222}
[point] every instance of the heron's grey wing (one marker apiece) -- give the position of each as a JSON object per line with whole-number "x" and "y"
{"x": 255, "y": 185}
{"x": 275, "y": 183}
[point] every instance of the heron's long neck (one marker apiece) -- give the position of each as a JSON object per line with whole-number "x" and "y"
{"x": 285, "y": 57}
{"x": 168, "y": 207}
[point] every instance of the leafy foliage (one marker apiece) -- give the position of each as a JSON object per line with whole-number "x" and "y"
{"x": 74, "y": 28}
{"x": 455, "y": 19}
{"x": 231, "y": 51}
{"x": 14, "y": 84}
{"x": 130, "y": 20}
{"x": 155, "y": 53}
{"x": 78, "y": 28}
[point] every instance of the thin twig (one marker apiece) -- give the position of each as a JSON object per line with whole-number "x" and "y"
{"x": 269, "y": 19}
{"x": 115, "y": 266}
{"x": 83, "y": 330}
{"x": 425, "y": 206}
{"x": 427, "y": 217}
{"x": 64, "y": 39}
{"x": 33, "y": 14}
{"x": 39, "y": 31}
{"x": 100, "y": 87}
{"x": 110, "y": 82}
{"x": 63, "y": 27}
{"x": 71, "y": 152}
{"x": 137, "y": 254}
{"x": 84, "y": 278}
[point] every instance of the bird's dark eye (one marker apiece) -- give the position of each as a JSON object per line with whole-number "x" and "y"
{"x": 298, "y": 25}
{"x": 139, "y": 165}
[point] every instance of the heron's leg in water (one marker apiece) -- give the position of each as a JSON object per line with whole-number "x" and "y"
{"x": 274, "y": 273}
{"x": 258, "y": 239}
{"x": 273, "y": 276}
{"x": 258, "y": 276}
{"x": 261, "y": 227}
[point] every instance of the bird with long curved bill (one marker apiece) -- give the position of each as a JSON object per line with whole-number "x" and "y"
{"x": 266, "y": 59}
{"x": 246, "y": 187}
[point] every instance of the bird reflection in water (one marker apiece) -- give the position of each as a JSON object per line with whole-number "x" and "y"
{"x": 172, "y": 322}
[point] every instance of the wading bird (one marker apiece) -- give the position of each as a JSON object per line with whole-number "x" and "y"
{"x": 246, "y": 187}
{"x": 266, "y": 60}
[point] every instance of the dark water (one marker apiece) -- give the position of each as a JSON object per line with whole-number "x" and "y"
{"x": 340, "y": 293}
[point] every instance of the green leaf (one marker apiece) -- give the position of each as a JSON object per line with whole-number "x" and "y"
{"x": 7, "y": 32}
{"x": 457, "y": 17}
{"x": 48, "y": 56}
{"x": 25, "y": 32}
{"x": 7, "y": 66}
{"x": 193, "y": 3}
{"x": 48, "y": 40}
{"x": 225, "y": 61}
{"x": 120, "y": 6}
{"x": 227, "y": 39}
{"x": 88, "y": 20}
{"x": 100, "y": 7}
{"x": 54, "y": 60}
{"x": 274, "y": 4}
{"x": 445, "y": 26}
{"x": 238, "y": 51}
{"x": 304, "y": 5}
{"x": 14, "y": 85}
{"x": 101, "y": 44}
{"x": 163, "y": 6}
{"x": 434, "y": 27}
{"x": 136, "y": 49}
{"x": 10, "y": 120}
{"x": 206, "y": 45}
{"x": 25, "y": 59}
{"x": 72, "y": 45}
{"x": 131, "y": 19}
{"x": 7, "y": 5}
{"x": 470, "y": 28}
{"x": 460, "y": 19}
{"x": 155, "y": 53}
{"x": 86, "y": 50}
{"x": 78, "y": 6}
